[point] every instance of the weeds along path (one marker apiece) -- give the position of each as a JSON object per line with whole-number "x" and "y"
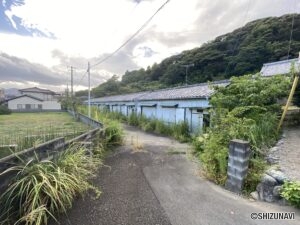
{"x": 152, "y": 180}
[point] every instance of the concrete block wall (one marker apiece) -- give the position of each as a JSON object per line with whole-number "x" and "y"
{"x": 238, "y": 161}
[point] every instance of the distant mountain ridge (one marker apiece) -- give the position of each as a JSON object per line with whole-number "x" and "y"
{"x": 242, "y": 51}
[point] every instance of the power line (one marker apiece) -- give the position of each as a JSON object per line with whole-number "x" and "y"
{"x": 133, "y": 36}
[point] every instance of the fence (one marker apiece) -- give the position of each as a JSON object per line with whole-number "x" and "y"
{"x": 47, "y": 150}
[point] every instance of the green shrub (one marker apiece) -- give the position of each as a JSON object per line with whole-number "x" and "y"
{"x": 44, "y": 188}
{"x": 113, "y": 133}
{"x": 291, "y": 192}
{"x": 246, "y": 109}
{"x": 256, "y": 168}
{"x": 4, "y": 110}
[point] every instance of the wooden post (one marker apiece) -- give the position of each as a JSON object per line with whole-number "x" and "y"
{"x": 292, "y": 92}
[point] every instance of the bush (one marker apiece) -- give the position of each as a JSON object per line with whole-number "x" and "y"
{"x": 113, "y": 133}
{"x": 246, "y": 109}
{"x": 4, "y": 110}
{"x": 41, "y": 189}
{"x": 291, "y": 192}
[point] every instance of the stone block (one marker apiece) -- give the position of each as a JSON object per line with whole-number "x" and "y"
{"x": 279, "y": 176}
{"x": 277, "y": 190}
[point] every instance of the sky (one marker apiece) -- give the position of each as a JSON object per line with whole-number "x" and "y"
{"x": 41, "y": 39}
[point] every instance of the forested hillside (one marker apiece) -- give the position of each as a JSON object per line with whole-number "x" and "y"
{"x": 240, "y": 52}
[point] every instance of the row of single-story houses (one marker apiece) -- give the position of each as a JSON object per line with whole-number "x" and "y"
{"x": 186, "y": 103}
{"x": 173, "y": 105}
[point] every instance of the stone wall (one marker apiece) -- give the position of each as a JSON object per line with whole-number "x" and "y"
{"x": 270, "y": 186}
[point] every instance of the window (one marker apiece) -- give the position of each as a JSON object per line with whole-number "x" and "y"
{"x": 27, "y": 106}
{"x": 40, "y": 106}
{"x": 19, "y": 106}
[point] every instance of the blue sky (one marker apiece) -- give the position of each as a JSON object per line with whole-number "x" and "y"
{"x": 41, "y": 39}
{"x": 14, "y": 24}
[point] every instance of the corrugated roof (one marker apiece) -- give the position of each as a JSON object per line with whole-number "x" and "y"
{"x": 202, "y": 90}
{"x": 119, "y": 98}
{"x": 280, "y": 67}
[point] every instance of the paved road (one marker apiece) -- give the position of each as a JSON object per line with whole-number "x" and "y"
{"x": 148, "y": 182}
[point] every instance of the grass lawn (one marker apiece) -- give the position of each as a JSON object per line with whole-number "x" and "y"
{"x": 28, "y": 129}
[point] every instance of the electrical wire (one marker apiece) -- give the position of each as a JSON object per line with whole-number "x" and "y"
{"x": 132, "y": 36}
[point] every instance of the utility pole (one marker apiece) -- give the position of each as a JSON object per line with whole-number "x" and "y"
{"x": 89, "y": 92}
{"x": 72, "y": 81}
{"x": 187, "y": 66}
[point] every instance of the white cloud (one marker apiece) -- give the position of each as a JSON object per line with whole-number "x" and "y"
{"x": 89, "y": 30}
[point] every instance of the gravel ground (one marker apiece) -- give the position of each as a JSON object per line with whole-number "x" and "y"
{"x": 289, "y": 153}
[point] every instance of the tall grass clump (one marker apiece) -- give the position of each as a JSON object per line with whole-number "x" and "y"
{"x": 113, "y": 131}
{"x": 246, "y": 109}
{"x": 42, "y": 189}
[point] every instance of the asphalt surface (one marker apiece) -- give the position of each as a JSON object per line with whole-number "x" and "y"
{"x": 150, "y": 181}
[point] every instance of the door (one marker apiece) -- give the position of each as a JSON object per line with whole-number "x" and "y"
{"x": 196, "y": 120}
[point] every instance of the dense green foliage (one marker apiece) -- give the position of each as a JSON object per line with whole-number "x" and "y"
{"x": 291, "y": 192}
{"x": 247, "y": 110}
{"x": 4, "y": 110}
{"x": 240, "y": 52}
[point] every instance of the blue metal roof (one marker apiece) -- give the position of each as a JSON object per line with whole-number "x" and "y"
{"x": 280, "y": 67}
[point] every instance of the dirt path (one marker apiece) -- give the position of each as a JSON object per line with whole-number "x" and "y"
{"x": 150, "y": 181}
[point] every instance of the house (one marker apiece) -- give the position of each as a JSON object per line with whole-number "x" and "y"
{"x": 280, "y": 67}
{"x": 35, "y": 99}
{"x": 173, "y": 105}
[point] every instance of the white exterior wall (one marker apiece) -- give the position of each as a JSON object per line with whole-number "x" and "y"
{"x": 51, "y": 105}
{"x": 13, "y": 104}
{"x": 21, "y": 102}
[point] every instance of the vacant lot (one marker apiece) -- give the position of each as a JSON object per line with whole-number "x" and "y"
{"x": 19, "y": 131}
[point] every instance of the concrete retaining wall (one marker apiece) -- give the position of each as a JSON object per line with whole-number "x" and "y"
{"x": 45, "y": 151}
{"x": 85, "y": 119}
